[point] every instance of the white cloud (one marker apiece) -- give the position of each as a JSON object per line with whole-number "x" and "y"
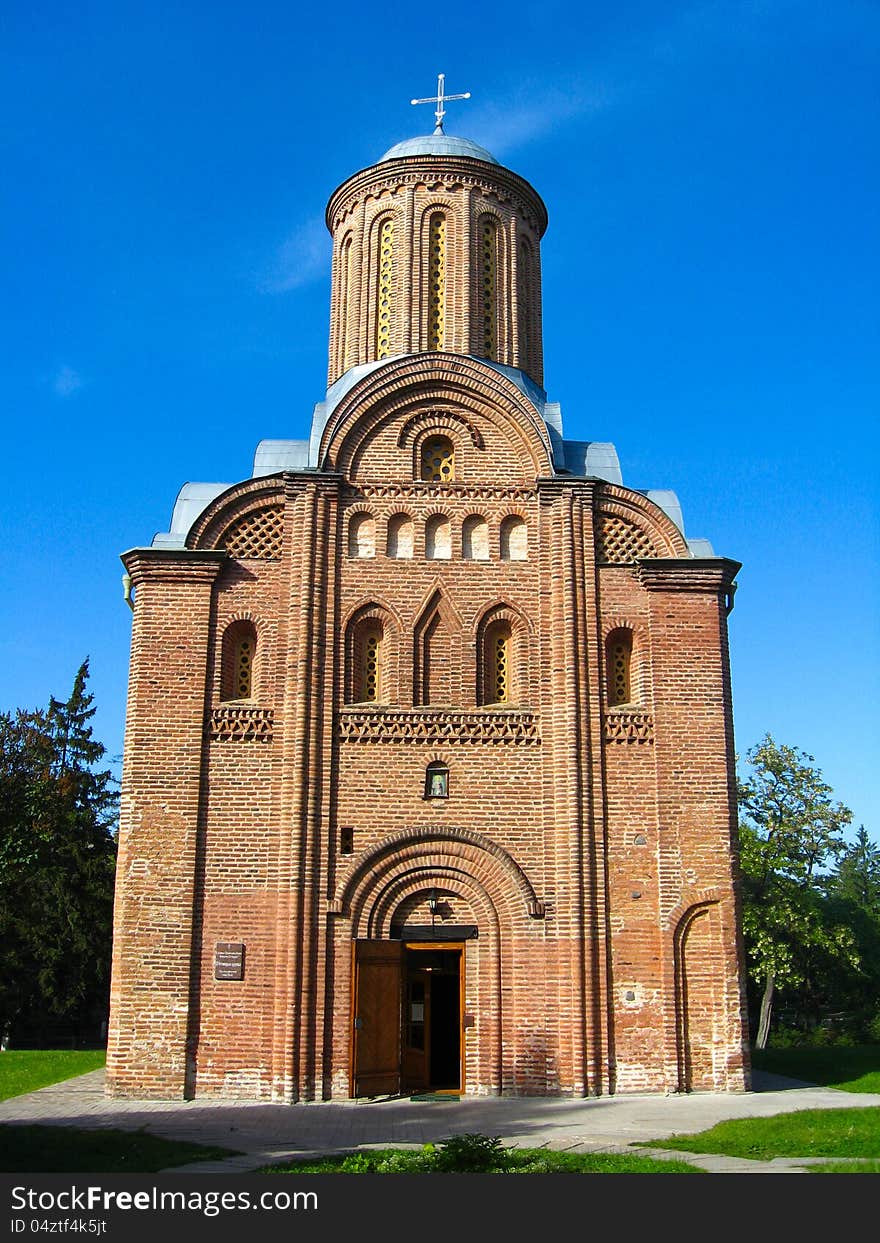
{"x": 304, "y": 257}
{"x": 502, "y": 129}
{"x": 66, "y": 381}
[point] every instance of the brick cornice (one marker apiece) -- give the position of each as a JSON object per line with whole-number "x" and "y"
{"x": 706, "y": 575}
{"x": 173, "y": 565}
{"x": 415, "y": 169}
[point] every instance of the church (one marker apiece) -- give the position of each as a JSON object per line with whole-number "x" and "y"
{"x": 428, "y": 783}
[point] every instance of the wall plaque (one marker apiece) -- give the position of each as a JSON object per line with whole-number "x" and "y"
{"x": 229, "y": 960}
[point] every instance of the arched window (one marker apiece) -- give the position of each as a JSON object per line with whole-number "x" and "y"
{"x": 344, "y": 308}
{"x": 437, "y": 282}
{"x": 497, "y": 669}
{"x": 438, "y": 460}
{"x": 384, "y": 287}
{"x": 618, "y": 667}
{"x": 475, "y": 538}
{"x": 238, "y": 661}
{"x": 438, "y": 538}
{"x": 514, "y": 539}
{"x": 488, "y": 293}
{"x": 524, "y": 302}
{"x": 366, "y": 655}
{"x": 362, "y": 536}
{"x": 400, "y": 536}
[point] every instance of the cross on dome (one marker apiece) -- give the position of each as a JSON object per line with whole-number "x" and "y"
{"x": 440, "y": 99}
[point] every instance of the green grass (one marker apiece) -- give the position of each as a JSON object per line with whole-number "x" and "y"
{"x": 25, "y": 1070}
{"x": 845, "y": 1167}
{"x": 853, "y": 1068}
{"x": 67, "y": 1150}
{"x": 515, "y": 1161}
{"x": 853, "y": 1132}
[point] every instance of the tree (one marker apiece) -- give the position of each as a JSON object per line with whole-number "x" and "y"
{"x": 852, "y": 892}
{"x": 57, "y": 859}
{"x": 791, "y": 832}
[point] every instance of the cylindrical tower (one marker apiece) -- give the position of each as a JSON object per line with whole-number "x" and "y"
{"x": 436, "y": 247}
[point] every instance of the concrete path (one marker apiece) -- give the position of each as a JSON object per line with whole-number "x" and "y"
{"x": 268, "y": 1133}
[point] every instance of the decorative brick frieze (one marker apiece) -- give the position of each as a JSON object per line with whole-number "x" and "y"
{"x": 241, "y": 723}
{"x": 379, "y": 725}
{"x": 432, "y": 492}
{"x": 629, "y": 725}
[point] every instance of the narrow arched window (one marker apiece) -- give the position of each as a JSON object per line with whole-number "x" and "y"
{"x": 400, "y": 536}
{"x": 245, "y": 650}
{"x": 438, "y": 538}
{"x": 371, "y": 646}
{"x": 497, "y": 664}
{"x": 238, "y": 662}
{"x": 437, "y": 282}
{"x": 384, "y": 287}
{"x": 524, "y": 303}
{"x": 344, "y": 308}
{"x": 362, "y": 536}
{"x": 438, "y": 460}
{"x": 514, "y": 539}
{"x": 475, "y": 538}
{"x": 488, "y": 291}
{"x": 366, "y": 661}
{"x": 618, "y": 666}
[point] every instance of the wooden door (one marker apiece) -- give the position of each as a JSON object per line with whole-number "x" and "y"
{"x": 376, "y": 1011}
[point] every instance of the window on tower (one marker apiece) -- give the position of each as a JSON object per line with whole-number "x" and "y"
{"x": 437, "y": 282}
{"x": 488, "y": 295}
{"x": 384, "y": 287}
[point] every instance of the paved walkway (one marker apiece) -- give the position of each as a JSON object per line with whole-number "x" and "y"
{"x": 267, "y": 1133}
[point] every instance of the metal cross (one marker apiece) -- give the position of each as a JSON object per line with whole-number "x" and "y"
{"x": 440, "y": 99}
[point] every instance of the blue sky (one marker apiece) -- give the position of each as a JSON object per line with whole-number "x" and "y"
{"x": 710, "y": 291}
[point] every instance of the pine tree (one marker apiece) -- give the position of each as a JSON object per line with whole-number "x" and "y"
{"x": 57, "y": 859}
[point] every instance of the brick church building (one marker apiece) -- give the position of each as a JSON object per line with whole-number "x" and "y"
{"x": 428, "y": 779}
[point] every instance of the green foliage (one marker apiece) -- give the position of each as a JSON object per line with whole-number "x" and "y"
{"x": 480, "y": 1154}
{"x": 471, "y": 1154}
{"x": 26, "y": 1070}
{"x": 57, "y": 860}
{"x": 791, "y": 837}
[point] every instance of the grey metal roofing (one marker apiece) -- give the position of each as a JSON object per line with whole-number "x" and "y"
{"x": 438, "y": 144}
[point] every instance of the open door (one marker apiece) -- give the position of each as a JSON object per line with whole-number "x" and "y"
{"x": 376, "y": 1011}
{"x": 433, "y": 1048}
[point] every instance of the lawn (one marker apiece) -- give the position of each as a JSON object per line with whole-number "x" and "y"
{"x": 850, "y": 1132}
{"x": 25, "y": 1070}
{"x": 853, "y": 1068}
{"x": 66, "y": 1150}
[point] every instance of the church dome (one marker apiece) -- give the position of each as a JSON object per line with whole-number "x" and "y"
{"x": 438, "y": 144}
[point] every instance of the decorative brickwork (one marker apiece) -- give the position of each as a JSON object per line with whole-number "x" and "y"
{"x": 241, "y": 723}
{"x": 629, "y": 725}
{"x": 621, "y": 542}
{"x": 256, "y": 536}
{"x": 437, "y": 727}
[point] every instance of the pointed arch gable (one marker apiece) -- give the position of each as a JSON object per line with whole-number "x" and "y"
{"x": 437, "y": 652}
